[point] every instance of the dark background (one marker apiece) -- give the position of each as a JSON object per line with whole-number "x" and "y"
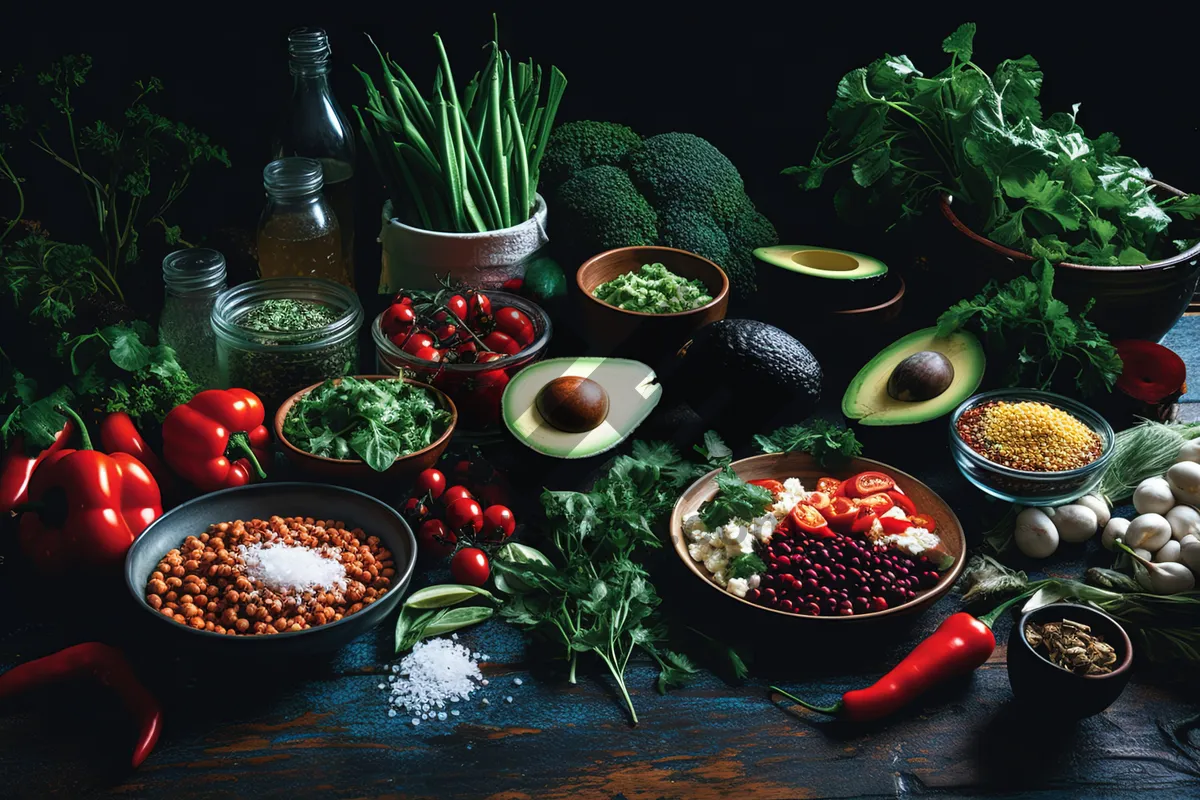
{"x": 756, "y": 81}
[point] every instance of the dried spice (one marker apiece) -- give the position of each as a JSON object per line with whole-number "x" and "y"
{"x": 1029, "y": 436}
{"x": 1070, "y": 645}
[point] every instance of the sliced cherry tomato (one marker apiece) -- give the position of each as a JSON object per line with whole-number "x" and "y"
{"x": 414, "y": 510}
{"x": 464, "y": 512}
{"x": 479, "y": 309}
{"x": 923, "y": 521}
{"x": 818, "y": 500}
{"x": 435, "y": 539}
{"x": 841, "y": 513}
{"x": 829, "y": 486}
{"x": 502, "y": 343}
{"x": 808, "y": 519}
{"x": 456, "y": 492}
{"x": 864, "y": 522}
{"x": 879, "y": 502}
{"x": 470, "y": 566}
{"x": 396, "y": 318}
{"x": 772, "y": 486}
{"x": 894, "y": 524}
{"x": 516, "y": 324}
{"x": 498, "y": 522}
{"x": 904, "y": 501}
{"x": 431, "y": 482}
{"x": 868, "y": 483}
{"x": 416, "y": 341}
{"x": 457, "y": 305}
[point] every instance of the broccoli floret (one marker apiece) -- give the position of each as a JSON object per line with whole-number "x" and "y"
{"x": 576, "y": 146}
{"x": 694, "y": 231}
{"x": 683, "y": 169}
{"x": 600, "y": 209}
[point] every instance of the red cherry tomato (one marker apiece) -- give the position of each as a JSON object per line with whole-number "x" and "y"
{"x": 479, "y": 308}
{"x": 829, "y": 486}
{"x": 463, "y": 471}
{"x": 864, "y": 522}
{"x": 431, "y": 482}
{"x": 468, "y": 346}
{"x": 516, "y": 324}
{"x": 457, "y": 492}
{"x": 868, "y": 483}
{"x": 904, "y": 501}
{"x": 879, "y": 502}
{"x": 774, "y": 487}
{"x": 498, "y": 522}
{"x": 923, "y": 521}
{"x": 396, "y": 318}
{"x": 841, "y": 514}
{"x": 470, "y": 566}
{"x": 415, "y": 511}
{"x": 457, "y": 306}
{"x": 445, "y": 332}
{"x": 402, "y": 299}
{"x": 428, "y": 354}
{"x": 484, "y": 357}
{"x": 435, "y": 539}
{"x": 464, "y": 512}
{"x": 514, "y": 285}
{"x": 894, "y": 524}
{"x": 502, "y": 343}
{"x": 417, "y": 341}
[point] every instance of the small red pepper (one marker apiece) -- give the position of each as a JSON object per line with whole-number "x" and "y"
{"x": 18, "y": 468}
{"x": 198, "y": 434}
{"x": 961, "y": 644}
{"x": 108, "y": 666}
{"x": 119, "y": 434}
{"x": 86, "y": 507}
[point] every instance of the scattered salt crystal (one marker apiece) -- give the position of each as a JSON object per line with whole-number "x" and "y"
{"x": 293, "y": 569}
{"x": 391, "y": 712}
{"x": 508, "y": 699}
{"x": 483, "y": 682}
{"x": 517, "y": 681}
{"x": 454, "y": 713}
{"x": 486, "y": 702}
{"x": 455, "y": 699}
{"x": 442, "y": 716}
{"x": 416, "y": 721}
{"x": 395, "y": 668}
{"x": 454, "y": 636}
{"x": 437, "y": 670}
{"x": 381, "y": 686}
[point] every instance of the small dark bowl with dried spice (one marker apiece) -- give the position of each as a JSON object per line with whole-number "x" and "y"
{"x": 1095, "y": 653}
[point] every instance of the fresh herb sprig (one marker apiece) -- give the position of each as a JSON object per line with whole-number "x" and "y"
{"x": 735, "y": 499}
{"x": 1024, "y": 327}
{"x": 824, "y": 440}
{"x": 1034, "y": 183}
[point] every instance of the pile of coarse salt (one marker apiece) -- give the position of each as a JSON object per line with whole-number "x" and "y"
{"x": 293, "y": 569}
{"x": 436, "y": 672}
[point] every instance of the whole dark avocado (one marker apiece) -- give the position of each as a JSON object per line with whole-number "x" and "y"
{"x": 739, "y": 371}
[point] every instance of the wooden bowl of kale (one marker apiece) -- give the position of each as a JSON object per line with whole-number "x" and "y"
{"x": 365, "y": 430}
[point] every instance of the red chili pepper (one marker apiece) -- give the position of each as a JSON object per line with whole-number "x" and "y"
{"x": 961, "y": 644}
{"x": 197, "y": 435}
{"x": 18, "y": 468}
{"x": 119, "y": 434}
{"x": 86, "y": 507}
{"x": 105, "y": 664}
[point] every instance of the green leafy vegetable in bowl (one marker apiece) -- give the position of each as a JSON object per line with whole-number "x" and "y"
{"x": 653, "y": 289}
{"x": 1033, "y": 183}
{"x": 377, "y": 421}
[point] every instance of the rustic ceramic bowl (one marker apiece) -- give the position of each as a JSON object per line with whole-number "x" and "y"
{"x": 1052, "y": 690}
{"x": 635, "y": 334}
{"x": 803, "y": 466}
{"x": 353, "y": 471}
{"x": 263, "y": 500}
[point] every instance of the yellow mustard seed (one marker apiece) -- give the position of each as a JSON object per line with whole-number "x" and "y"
{"x": 1029, "y": 436}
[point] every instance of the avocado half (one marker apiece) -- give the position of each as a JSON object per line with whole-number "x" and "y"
{"x": 630, "y": 389}
{"x": 867, "y": 398}
{"x": 823, "y": 262}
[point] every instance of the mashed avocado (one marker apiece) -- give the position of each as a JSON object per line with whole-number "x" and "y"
{"x": 653, "y": 289}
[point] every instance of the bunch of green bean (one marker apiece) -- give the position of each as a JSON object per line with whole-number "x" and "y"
{"x": 461, "y": 164}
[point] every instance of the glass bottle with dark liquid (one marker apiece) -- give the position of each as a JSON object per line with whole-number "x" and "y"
{"x": 315, "y": 127}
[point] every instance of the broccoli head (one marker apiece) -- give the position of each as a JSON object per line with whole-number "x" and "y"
{"x": 694, "y": 231}
{"x": 599, "y": 209}
{"x": 576, "y": 146}
{"x": 683, "y": 169}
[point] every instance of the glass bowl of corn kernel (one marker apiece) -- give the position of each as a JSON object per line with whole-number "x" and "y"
{"x": 1030, "y": 447}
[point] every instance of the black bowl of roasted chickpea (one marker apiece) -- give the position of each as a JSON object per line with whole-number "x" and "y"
{"x": 286, "y": 567}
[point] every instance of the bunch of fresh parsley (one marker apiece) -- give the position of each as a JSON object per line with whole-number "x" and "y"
{"x": 824, "y": 440}
{"x": 1033, "y": 183}
{"x": 1024, "y": 327}
{"x": 377, "y": 421}
{"x": 594, "y": 596}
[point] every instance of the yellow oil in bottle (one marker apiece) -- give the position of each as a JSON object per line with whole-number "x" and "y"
{"x": 301, "y": 245}
{"x": 339, "y": 191}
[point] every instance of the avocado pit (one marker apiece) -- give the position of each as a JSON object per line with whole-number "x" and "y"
{"x": 921, "y": 376}
{"x": 573, "y": 403}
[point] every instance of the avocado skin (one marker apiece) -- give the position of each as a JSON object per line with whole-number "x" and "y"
{"x": 751, "y": 362}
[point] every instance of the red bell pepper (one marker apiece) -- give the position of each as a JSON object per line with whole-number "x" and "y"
{"x": 119, "y": 434}
{"x": 86, "y": 507}
{"x": 18, "y": 468}
{"x": 198, "y": 436}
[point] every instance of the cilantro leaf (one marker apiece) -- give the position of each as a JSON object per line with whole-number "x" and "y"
{"x": 745, "y": 565}
{"x": 735, "y": 499}
{"x": 961, "y": 43}
{"x": 824, "y": 440}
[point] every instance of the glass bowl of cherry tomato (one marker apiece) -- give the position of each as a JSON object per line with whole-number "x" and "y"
{"x": 466, "y": 342}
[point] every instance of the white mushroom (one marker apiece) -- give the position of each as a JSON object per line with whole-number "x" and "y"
{"x": 1075, "y": 523}
{"x": 1168, "y": 552}
{"x": 1189, "y": 552}
{"x": 1115, "y": 529}
{"x": 1153, "y": 496}
{"x": 1190, "y": 451}
{"x": 1035, "y": 534}
{"x": 1149, "y": 531}
{"x": 1098, "y": 505}
{"x": 1184, "y": 479}
{"x": 1184, "y": 521}
{"x": 1143, "y": 553}
{"x": 1170, "y": 578}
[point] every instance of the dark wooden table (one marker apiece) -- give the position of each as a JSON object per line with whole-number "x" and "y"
{"x": 320, "y": 727}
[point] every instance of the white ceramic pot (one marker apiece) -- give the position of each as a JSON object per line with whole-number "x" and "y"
{"x": 414, "y": 258}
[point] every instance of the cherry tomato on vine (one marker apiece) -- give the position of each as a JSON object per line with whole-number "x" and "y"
{"x": 516, "y": 324}
{"x": 470, "y": 566}
{"x": 479, "y": 308}
{"x": 417, "y": 341}
{"x": 457, "y": 305}
{"x": 435, "y": 538}
{"x": 457, "y": 492}
{"x": 429, "y": 353}
{"x": 502, "y": 343}
{"x": 402, "y": 299}
{"x": 483, "y": 357}
{"x": 445, "y": 332}
{"x": 431, "y": 482}
{"x": 463, "y": 512}
{"x": 397, "y": 318}
{"x": 498, "y": 522}
{"x": 415, "y": 510}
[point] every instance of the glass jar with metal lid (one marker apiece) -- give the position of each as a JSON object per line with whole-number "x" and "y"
{"x": 192, "y": 279}
{"x": 298, "y": 232}
{"x": 277, "y": 335}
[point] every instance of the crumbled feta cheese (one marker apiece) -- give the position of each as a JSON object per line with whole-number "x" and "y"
{"x": 794, "y": 486}
{"x": 693, "y": 527}
{"x": 914, "y": 540}
{"x": 699, "y": 551}
{"x": 716, "y": 561}
{"x": 743, "y": 545}
{"x": 737, "y": 586}
{"x": 719, "y": 577}
{"x": 784, "y": 505}
{"x": 762, "y": 528}
{"x": 894, "y": 511}
{"x": 753, "y": 581}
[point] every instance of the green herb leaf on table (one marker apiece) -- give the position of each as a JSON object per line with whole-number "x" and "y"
{"x": 826, "y": 441}
{"x": 735, "y": 499}
{"x": 745, "y": 565}
{"x": 714, "y": 450}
